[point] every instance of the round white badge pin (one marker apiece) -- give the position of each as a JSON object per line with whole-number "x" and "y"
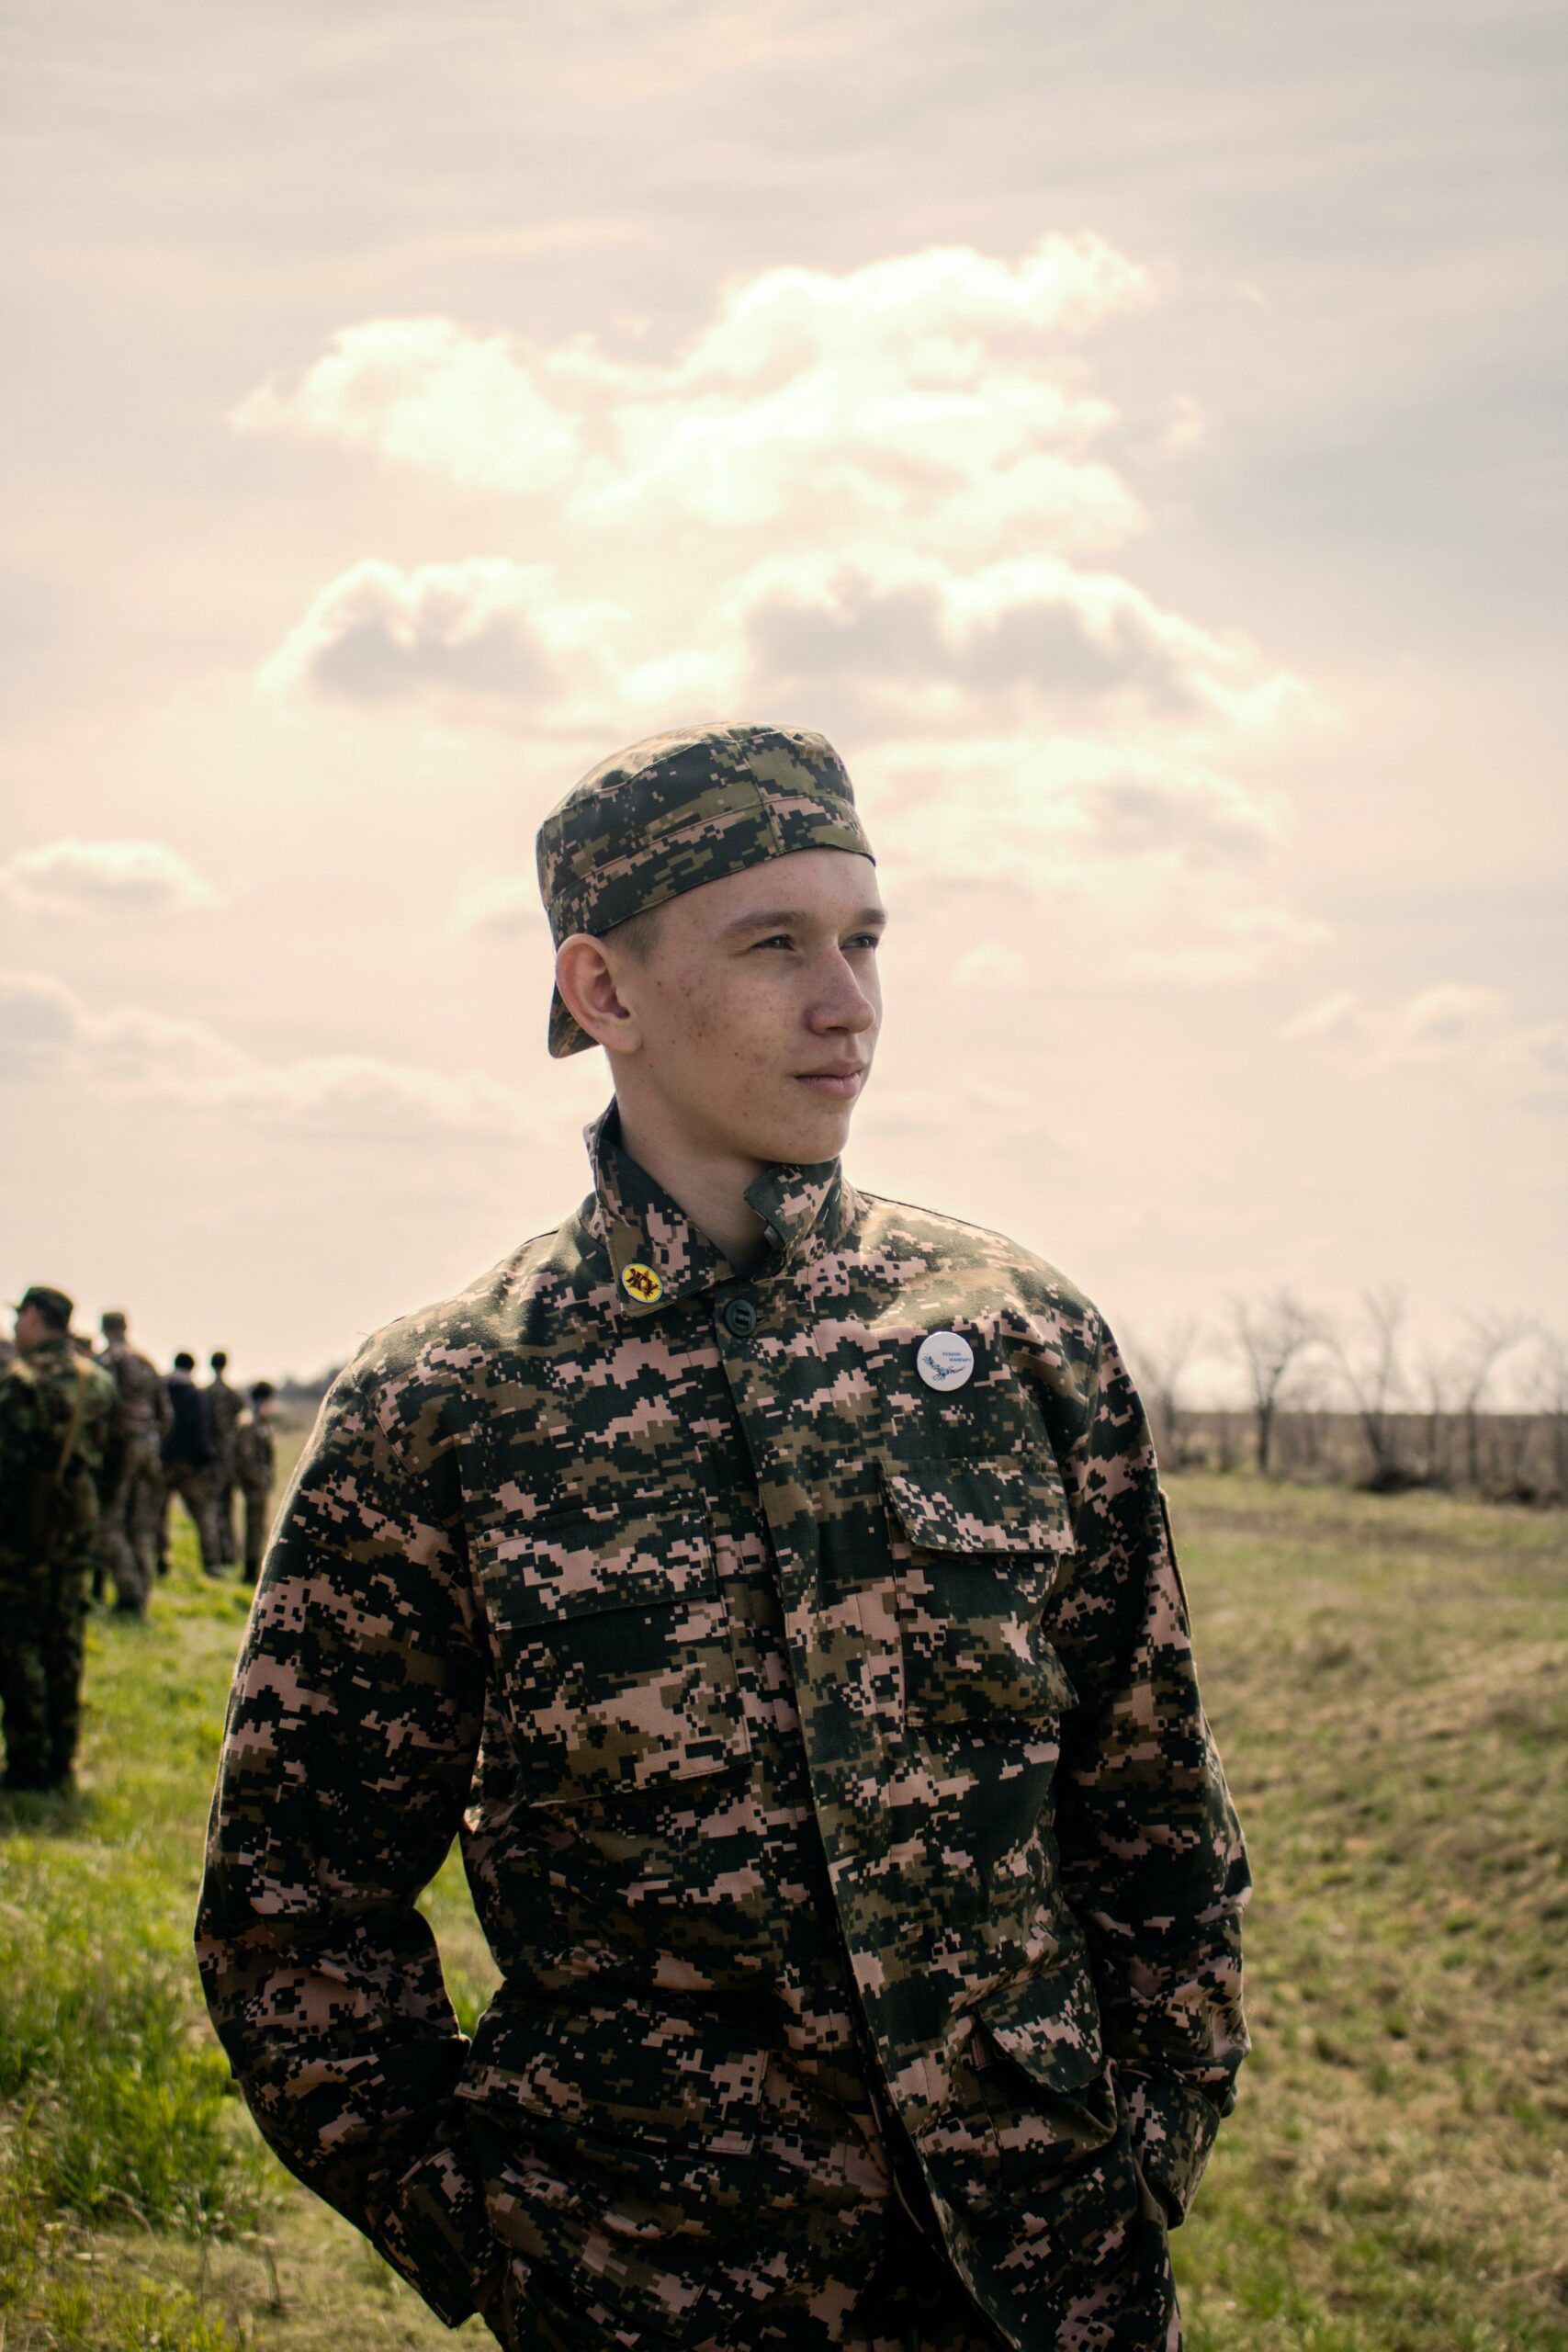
{"x": 945, "y": 1360}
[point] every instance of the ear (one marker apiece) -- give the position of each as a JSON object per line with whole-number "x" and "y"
{"x": 587, "y": 982}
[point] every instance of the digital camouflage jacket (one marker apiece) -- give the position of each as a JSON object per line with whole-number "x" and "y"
{"x": 255, "y": 1451}
{"x": 831, "y": 1773}
{"x": 144, "y": 1409}
{"x": 59, "y": 1448}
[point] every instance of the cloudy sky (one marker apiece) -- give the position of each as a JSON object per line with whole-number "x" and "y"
{"x": 1134, "y": 433}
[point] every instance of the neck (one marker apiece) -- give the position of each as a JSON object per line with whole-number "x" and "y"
{"x": 708, "y": 1186}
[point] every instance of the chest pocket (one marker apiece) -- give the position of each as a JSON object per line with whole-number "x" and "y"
{"x": 612, "y": 1637}
{"x": 976, "y": 1546}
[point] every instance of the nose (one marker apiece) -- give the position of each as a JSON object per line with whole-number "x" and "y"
{"x": 844, "y": 1004}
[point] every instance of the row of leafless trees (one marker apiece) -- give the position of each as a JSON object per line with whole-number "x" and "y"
{"x": 1422, "y": 1415}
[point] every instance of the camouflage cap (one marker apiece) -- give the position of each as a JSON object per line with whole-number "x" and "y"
{"x": 677, "y": 810}
{"x": 52, "y": 1303}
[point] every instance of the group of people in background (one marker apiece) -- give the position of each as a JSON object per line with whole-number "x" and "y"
{"x": 208, "y": 1443}
{"x": 93, "y": 1448}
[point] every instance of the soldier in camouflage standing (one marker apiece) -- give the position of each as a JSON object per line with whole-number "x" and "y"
{"x": 188, "y": 1454}
{"x": 128, "y": 1526}
{"x": 224, "y": 1405}
{"x": 772, "y": 1586}
{"x": 255, "y": 1461}
{"x": 58, "y": 1445}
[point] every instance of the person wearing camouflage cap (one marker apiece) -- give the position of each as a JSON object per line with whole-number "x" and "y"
{"x": 58, "y": 1456}
{"x": 133, "y": 1507}
{"x": 771, "y": 1584}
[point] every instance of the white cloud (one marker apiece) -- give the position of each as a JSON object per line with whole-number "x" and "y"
{"x": 918, "y": 645}
{"x": 424, "y": 392}
{"x": 130, "y": 1053}
{"x": 485, "y": 630}
{"x": 39, "y": 1018}
{"x": 912, "y": 446}
{"x": 1194, "y": 816}
{"x": 1057, "y": 809}
{"x": 1438, "y": 1028}
{"x": 884, "y": 647}
{"x": 933, "y": 385}
{"x": 1432, "y": 1025}
{"x": 80, "y": 878}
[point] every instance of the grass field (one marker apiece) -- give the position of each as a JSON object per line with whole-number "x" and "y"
{"x": 1388, "y": 1679}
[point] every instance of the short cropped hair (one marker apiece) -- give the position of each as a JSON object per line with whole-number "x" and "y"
{"x": 639, "y": 933}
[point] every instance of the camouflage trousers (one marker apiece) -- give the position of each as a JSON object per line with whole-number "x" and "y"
{"x": 197, "y": 1489}
{"x": 226, "y": 1490}
{"x": 831, "y": 2243}
{"x": 912, "y": 2302}
{"x": 258, "y": 1520}
{"x": 128, "y": 1514}
{"x": 43, "y": 1607}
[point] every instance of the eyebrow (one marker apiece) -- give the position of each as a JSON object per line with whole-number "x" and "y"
{"x": 791, "y": 917}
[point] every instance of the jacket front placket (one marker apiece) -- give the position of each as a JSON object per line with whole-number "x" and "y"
{"x": 812, "y": 1418}
{"x": 808, "y": 1384}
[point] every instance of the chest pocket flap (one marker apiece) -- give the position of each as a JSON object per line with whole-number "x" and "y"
{"x": 976, "y": 1546}
{"x": 980, "y": 1506}
{"x": 613, "y": 1640}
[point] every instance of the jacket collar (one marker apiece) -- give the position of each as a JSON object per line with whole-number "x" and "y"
{"x": 644, "y": 1231}
{"x": 56, "y": 1347}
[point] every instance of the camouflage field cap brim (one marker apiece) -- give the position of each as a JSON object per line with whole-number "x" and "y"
{"x": 677, "y": 810}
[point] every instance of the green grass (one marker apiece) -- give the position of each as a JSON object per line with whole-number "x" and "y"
{"x": 1387, "y": 1679}
{"x": 138, "y": 2207}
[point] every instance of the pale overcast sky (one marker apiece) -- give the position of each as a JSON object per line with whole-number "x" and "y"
{"x": 1134, "y": 433}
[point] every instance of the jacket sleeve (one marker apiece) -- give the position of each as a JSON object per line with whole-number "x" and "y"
{"x": 1152, "y": 1857}
{"x": 20, "y": 1449}
{"x": 349, "y": 1747}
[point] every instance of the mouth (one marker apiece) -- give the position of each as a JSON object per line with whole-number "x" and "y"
{"x": 835, "y": 1085}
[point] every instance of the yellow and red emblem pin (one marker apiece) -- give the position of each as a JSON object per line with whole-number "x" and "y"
{"x": 640, "y": 1281}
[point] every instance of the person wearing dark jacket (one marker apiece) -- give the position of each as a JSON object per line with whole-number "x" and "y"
{"x": 59, "y": 1441}
{"x": 190, "y": 1454}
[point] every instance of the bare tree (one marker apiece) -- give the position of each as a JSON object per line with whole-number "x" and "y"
{"x": 1162, "y": 1370}
{"x": 1370, "y": 1367}
{"x": 1548, "y": 1394}
{"x": 1269, "y": 1340}
{"x": 1437, "y": 1386}
{"x": 1302, "y": 1428}
{"x": 1489, "y": 1338}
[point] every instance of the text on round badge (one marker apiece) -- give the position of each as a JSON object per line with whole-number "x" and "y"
{"x": 945, "y": 1360}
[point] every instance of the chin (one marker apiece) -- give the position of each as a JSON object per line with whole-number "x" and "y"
{"x": 802, "y": 1139}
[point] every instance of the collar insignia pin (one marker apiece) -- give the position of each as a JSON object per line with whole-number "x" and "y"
{"x": 640, "y": 1281}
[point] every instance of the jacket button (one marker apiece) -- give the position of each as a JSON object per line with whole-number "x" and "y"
{"x": 740, "y": 1317}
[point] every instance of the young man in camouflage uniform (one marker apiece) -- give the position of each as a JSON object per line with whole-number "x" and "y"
{"x": 255, "y": 1463}
{"x": 58, "y": 1443}
{"x": 128, "y": 1526}
{"x": 772, "y": 1586}
{"x": 224, "y": 1405}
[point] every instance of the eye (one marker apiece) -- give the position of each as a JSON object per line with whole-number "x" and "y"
{"x": 872, "y": 939}
{"x": 774, "y": 939}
